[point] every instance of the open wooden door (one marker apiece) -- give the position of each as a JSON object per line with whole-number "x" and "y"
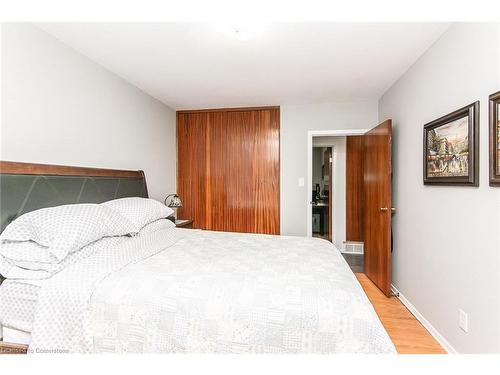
{"x": 327, "y": 162}
{"x": 377, "y": 178}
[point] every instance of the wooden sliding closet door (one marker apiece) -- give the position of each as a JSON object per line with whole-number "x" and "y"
{"x": 241, "y": 169}
{"x": 192, "y": 177}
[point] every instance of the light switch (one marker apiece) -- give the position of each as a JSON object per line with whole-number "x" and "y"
{"x": 301, "y": 181}
{"x": 463, "y": 320}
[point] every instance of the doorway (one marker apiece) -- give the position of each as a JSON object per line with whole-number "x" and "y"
{"x": 370, "y": 209}
{"x": 337, "y": 195}
{"x": 320, "y": 136}
{"x": 322, "y": 209}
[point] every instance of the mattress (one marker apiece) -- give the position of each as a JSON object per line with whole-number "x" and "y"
{"x": 18, "y": 299}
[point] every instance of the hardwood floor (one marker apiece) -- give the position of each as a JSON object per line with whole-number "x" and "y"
{"x": 405, "y": 331}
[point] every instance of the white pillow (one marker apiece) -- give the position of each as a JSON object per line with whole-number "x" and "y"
{"x": 156, "y": 226}
{"x": 139, "y": 211}
{"x": 67, "y": 228}
{"x": 26, "y": 251}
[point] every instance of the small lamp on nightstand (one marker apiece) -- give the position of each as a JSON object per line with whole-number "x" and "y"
{"x": 175, "y": 202}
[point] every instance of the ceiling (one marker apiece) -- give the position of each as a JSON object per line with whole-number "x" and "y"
{"x": 197, "y": 65}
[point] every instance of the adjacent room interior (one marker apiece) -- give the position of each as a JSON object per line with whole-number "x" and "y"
{"x": 337, "y": 196}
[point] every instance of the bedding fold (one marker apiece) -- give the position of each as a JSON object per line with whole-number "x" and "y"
{"x": 19, "y": 293}
{"x": 25, "y": 270}
{"x": 61, "y": 230}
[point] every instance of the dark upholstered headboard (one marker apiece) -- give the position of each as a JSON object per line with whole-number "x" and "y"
{"x": 26, "y": 187}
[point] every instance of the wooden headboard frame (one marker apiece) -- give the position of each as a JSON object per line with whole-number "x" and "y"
{"x": 13, "y": 167}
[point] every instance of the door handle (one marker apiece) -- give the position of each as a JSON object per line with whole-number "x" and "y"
{"x": 385, "y": 209}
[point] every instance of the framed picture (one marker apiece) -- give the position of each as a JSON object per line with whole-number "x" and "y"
{"x": 451, "y": 148}
{"x": 495, "y": 139}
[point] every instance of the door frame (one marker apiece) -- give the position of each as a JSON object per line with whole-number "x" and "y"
{"x": 310, "y": 135}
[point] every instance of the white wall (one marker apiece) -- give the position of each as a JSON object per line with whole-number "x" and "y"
{"x": 447, "y": 249}
{"x": 59, "y": 107}
{"x": 296, "y": 121}
{"x": 338, "y": 145}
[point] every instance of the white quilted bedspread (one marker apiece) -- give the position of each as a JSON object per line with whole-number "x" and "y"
{"x": 194, "y": 291}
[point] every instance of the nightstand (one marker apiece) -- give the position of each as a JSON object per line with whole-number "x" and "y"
{"x": 187, "y": 224}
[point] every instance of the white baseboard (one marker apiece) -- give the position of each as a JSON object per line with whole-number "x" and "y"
{"x": 428, "y": 326}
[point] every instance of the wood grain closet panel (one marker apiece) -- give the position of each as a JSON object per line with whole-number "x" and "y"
{"x": 241, "y": 166}
{"x": 354, "y": 188}
{"x": 244, "y": 171}
{"x": 192, "y": 173}
{"x": 218, "y": 170}
{"x": 266, "y": 172}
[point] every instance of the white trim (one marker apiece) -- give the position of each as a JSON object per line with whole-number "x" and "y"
{"x": 310, "y": 135}
{"x": 427, "y": 325}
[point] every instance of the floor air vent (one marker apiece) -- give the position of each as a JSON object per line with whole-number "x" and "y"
{"x": 351, "y": 247}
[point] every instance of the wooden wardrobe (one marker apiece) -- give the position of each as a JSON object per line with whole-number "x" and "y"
{"x": 228, "y": 169}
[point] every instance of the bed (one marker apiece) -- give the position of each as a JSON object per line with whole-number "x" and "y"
{"x": 172, "y": 290}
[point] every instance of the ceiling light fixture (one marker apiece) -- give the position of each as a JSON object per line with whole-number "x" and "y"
{"x": 242, "y": 31}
